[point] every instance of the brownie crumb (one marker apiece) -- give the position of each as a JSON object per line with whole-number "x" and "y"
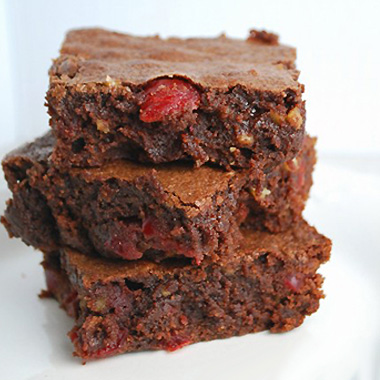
{"x": 264, "y": 37}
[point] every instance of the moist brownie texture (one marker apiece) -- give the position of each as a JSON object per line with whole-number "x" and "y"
{"x": 269, "y": 283}
{"x": 128, "y": 210}
{"x": 233, "y": 102}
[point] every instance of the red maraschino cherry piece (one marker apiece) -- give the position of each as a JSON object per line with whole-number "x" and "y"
{"x": 176, "y": 343}
{"x": 123, "y": 242}
{"x": 168, "y": 97}
{"x": 293, "y": 283}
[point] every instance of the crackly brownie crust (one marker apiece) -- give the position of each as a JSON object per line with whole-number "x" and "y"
{"x": 233, "y": 102}
{"x": 269, "y": 283}
{"x": 129, "y": 210}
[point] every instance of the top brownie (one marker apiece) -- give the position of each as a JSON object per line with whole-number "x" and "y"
{"x": 233, "y": 102}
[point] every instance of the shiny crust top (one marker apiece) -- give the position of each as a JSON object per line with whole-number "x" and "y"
{"x": 97, "y": 56}
{"x": 184, "y": 187}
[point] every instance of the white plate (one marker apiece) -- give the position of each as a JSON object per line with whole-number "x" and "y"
{"x": 340, "y": 341}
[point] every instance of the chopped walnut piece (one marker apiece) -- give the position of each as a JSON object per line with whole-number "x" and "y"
{"x": 100, "y": 304}
{"x": 232, "y": 149}
{"x": 165, "y": 293}
{"x": 263, "y": 194}
{"x": 252, "y": 191}
{"x": 245, "y": 140}
{"x": 292, "y": 165}
{"x": 276, "y": 117}
{"x": 294, "y": 118}
{"x": 102, "y": 126}
{"x": 280, "y": 66}
{"x": 111, "y": 82}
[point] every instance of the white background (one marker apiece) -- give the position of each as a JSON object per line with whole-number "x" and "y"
{"x": 339, "y": 57}
{"x": 338, "y": 54}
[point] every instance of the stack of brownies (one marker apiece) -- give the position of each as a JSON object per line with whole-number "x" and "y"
{"x": 168, "y": 198}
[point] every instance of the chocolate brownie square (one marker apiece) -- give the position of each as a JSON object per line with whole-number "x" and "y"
{"x": 270, "y": 283}
{"x": 129, "y": 210}
{"x": 233, "y": 102}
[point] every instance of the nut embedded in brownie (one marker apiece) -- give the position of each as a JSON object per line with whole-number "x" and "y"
{"x": 128, "y": 210}
{"x": 270, "y": 283}
{"x": 233, "y": 102}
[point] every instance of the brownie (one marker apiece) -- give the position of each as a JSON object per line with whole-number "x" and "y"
{"x": 233, "y": 102}
{"x": 270, "y": 283}
{"x": 129, "y": 210}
